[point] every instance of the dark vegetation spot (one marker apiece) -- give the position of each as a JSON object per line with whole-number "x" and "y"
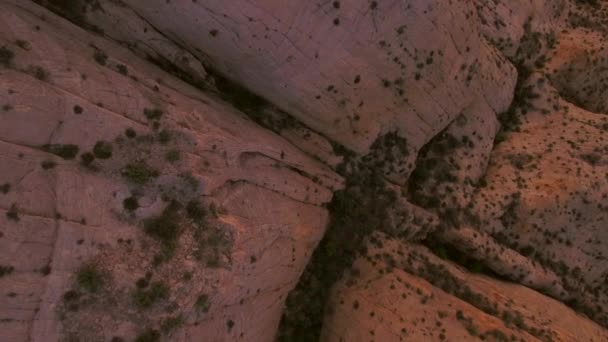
{"x": 5, "y": 188}
{"x": 38, "y": 72}
{"x": 130, "y": 133}
{"x": 336, "y": 4}
{"x": 230, "y": 324}
{"x": 77, "y": 109}
{"x": 102, "y": 150}
{"x": 166, "y": 227}
{"x": 139, "y": 172}
{"x": 130, "y": 203}
{"x": 65, "y": 151}
{"x": 202, "y": 303}
{"x": 122, "y": 69}
{"x": 172, "y": 156}
{"x": 6, "y": 57}
{"x": 337, "y": 21}
{"x": 7, "y": 107}
{"x": 100, "y": 57}
{"x": 149, "y": 335}
{"x": 213, "y": 33}
{"x": 48, "y": 164}
{"x": 89, "y": 278}
{"x": 6, "y": 270}
{"x": 87, "y": 158}
{"x": 164, "y": 136}
{"x": 153, "y": 114}
{"x": 146, "y": 297}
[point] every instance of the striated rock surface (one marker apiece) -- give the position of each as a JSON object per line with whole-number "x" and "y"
{"x": 350, "y": 170}
{"x": 98, "y": 146}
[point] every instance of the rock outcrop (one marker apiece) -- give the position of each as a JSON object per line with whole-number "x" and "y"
{"x": 253, "y": 170}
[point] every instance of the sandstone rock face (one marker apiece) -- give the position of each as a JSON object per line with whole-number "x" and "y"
{"x": 352, "y": 70}
{"x": 66, "y": 94}
{"x": 168, "y": 169}
{"x": 402, "y": 292}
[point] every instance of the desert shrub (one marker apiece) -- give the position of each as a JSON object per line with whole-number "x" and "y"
{"x": 139, "y": 172}
{"x": 5, "y": 188}
{"x": 65, "y": 151}
{"x": 146, "y": 297}
{"x": 102, "y": 150}
{"x": 164, "y": 137}
{"x": 48, "y": 164}
{"x": 172, "y": 156}
{"x": 202, "y": 303}
{"x": 87, "y": 158}
{"x": 100, "y": 57}
{"x": 130, "y": 133}
{"x": 130, "y": 203}
{"x": 6, "y": 270}
{"x": 13, "y": 213}
{"x": 166, "y": 227}
{"x": 90, "y": 278}
{"x": 149, "y": 335}
{"x": 153, "y": 114}
{"x": 6, "y": 57}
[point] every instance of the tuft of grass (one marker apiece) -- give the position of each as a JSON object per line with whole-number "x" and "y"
{"x": 139, "y": 172}
{"x": 103, "y": 150}
{"x": 65, "y": 151}
{"x": 90, "y": 278}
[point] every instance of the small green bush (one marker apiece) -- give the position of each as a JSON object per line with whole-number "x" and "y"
{"x": 150, "y": 335}
{"x": 153, "y": 114}
{"x": 202, "y": 303}
{"x": 87, "y": 158}
{"x": 103, "y": 150}
{"x": 89, "y": 278}
{"x": 6, "y": 57}
{"x": 165, "y": 228}
{"x": 6, "y": 270}
{"x": 48, "y": 164}
{"x": 5, "y": 188}
{"x": 172, "y": 156}
{"x": 65, "y": 151}
{"x": 130, "y": 133}
{"x": 13, "y": 213}
{"x": 100, "y": 57}
{"x": 139, "y": 172}
{"x": 145, "y": 298}
{"x": 130, "y": 203}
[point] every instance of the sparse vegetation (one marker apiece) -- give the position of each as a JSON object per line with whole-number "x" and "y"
{"x": 13, "y": 213}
